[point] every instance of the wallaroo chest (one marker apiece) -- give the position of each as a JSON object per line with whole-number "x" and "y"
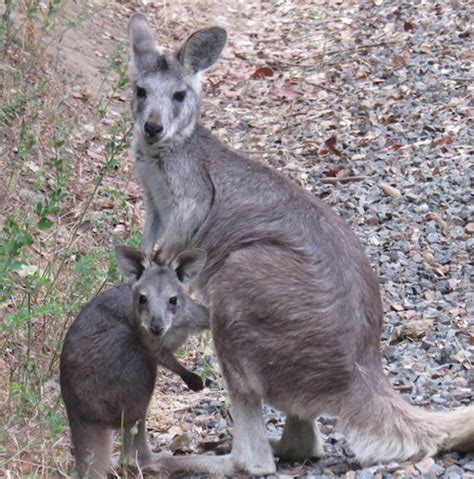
{"x": 174, "y": 208}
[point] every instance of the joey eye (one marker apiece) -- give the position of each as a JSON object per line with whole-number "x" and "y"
{"x": 142, "y": 299}
{"x": 179, "y": 96}
{"x": 141, "y": 92}
{"x": 173, "y": 300}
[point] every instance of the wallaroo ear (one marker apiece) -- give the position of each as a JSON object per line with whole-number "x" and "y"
{"x": 144, "y": 48}
{"x": 202, "y": 49}
{"x": 189, "y": 264}
{"x": 131, "y": 261}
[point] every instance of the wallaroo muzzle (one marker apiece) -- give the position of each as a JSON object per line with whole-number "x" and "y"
{"x": 156, "y": 329}
{"x": 152, "y": 130}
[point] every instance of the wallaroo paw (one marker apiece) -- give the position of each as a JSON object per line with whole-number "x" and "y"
{"x": 194, "y": 382}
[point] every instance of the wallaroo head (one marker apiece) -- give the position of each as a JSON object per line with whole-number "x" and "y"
{"x": 167, "y": 87}
{"x": 159, "y": 294}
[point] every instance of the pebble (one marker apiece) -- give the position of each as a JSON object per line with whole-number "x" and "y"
{"x": 454, "y": 472}
{"x": 425, "y": 465}
{"x": 437, "y": 469}
{"x": 390, "y": 190}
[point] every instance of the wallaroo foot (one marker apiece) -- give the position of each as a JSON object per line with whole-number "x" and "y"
{"x": 218, "y": 466}
{"x": 300, "y": 440}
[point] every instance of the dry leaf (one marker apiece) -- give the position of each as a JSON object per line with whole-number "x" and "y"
{"x": 414, "y": 329}
{"x": 262, "y": 73}
{"x": 181, "y": 443}
{"x": 396, "y": 306}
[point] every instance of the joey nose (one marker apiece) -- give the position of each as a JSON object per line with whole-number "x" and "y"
{"x": 156, "y": 329}
{"x": 153, "y": 129}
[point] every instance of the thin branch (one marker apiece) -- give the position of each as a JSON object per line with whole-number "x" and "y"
{"x": 345, "y": 179}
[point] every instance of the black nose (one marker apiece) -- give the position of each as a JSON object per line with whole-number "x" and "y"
{"x": 152, "y": 129}
{"x": 156, "y": 329}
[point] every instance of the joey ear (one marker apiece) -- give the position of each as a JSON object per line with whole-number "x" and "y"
{"x": 189, "y": 264}
{"x": 131, "y": 261}
{"x": 202, "y": 49}
{"x": 144, "y": 48}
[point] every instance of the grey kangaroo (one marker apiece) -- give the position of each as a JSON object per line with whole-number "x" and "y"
{"x": 111, "y": 352}
{"x": 295, "y": 307}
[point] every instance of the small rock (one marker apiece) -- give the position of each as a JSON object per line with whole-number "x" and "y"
{"x": 438, "y": 470}
{"x": 469, "y": 228}
{"x": 390, "y": 190}
{"x": 454, "y": 472}
{"x": 469, "y": 466}
{"x": 425, "y": 465}
{"x": 429, "y": 259}
{"x": 409, "y": 469}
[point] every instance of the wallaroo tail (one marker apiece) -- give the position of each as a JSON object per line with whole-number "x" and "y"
{"x": 384, "y": 427}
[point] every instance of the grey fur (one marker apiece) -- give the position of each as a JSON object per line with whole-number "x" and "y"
{"x": 296, "y": 313}
{"x": 109, "y": 358}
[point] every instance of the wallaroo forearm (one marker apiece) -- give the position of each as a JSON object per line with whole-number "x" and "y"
{"x": 192, "y": 380}
{"x": 198, "y": 316}
{"x": 295, "y": 308}
{"x": 152, "y": 226}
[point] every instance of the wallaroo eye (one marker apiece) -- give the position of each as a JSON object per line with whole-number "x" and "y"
{"x": 179, "y": 96}
{"x": 141, "y": 92}
{"x": 173, "y": 300}
{"x": 142, "y": 299}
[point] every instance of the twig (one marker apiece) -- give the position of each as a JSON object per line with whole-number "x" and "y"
{"x": 357, "y": 48}
{"x": 318, "y": 85}
{"x": 321, "y": 55}
{"x": 344, "y": 179}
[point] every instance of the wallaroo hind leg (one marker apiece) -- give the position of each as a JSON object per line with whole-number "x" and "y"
{"x": 300, "y": 440}
{"x": 135, "y": 447}
{"x": 92, "y": 448}
{"x": 251, "y": 453}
